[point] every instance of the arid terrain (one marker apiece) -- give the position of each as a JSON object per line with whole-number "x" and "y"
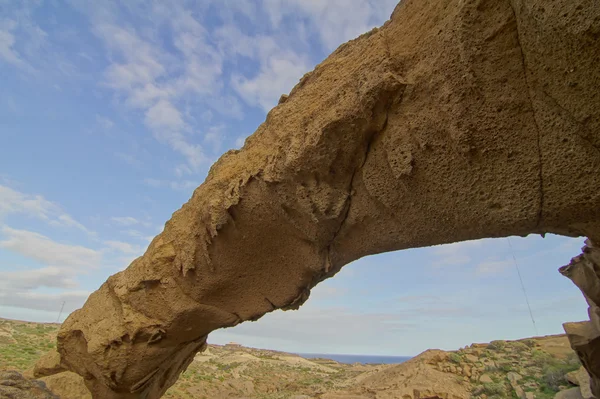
{"x": 540, "y": 368}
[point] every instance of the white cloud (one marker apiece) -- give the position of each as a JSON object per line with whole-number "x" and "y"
{"x": 138, "y": 234}
{"x": 104, "y": 122}
{"x": 335, "y": 21}
{"x": 65, "y": 220}
{"x": 163, "y": 115}
{"x": 124, "y": 220}
{"x": 36, "y": 206}
{"x": 43, "y": 249}
{"x": 458, "y": 253}
{"x": 239, "y": 142}
{"x": 278, "y": 74}
{"x": 7, "y": 50}
{"x": 214, "y": 137}
{"x": 155, "y": 80}
{"x": 129, "y": 159}
{"x": 183, "y": 185}
{"x": 124, "y": 247}
{"x": 279, "y": 69}
{"x": 181, "y": 170}
{"x": 292, "y": 330}
{"x": 492, "y": 267}
{"x": 43, "y": 301}
{"x": 52, "y": 277}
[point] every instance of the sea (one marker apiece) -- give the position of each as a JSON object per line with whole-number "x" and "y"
{"x": 350, "y": 359}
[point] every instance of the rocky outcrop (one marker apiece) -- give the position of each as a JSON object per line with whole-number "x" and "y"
{"x": 584, "y": 271}
{"x": 415, "y": 379}
{"x": 67, "y": 385}
{"x": 14, "y": 386}
{"x": 581, "y": 378}
{"x": 456, "y": 120}
{"x": 49, "y": 364}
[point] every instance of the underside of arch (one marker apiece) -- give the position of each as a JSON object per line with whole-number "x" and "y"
{"x": 456, "y": 120}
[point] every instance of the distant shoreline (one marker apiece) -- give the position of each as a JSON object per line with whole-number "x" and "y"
{"x": 351, "y": 359}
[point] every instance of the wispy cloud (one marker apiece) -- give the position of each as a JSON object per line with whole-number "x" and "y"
{"x": 30, "y": 299}
{"x": 458, "y": 253}
{"x": 52, "y": 277}
{"x": 155, "y": 80}
{"x": 124, "y": 247}
{"x": 104, "y": 122}
{"x": 8, "y": 52}
{"x": 279, "y": 68}
{"x": 333, "y": 20}
{"x": 138, "y": 234}
{"x": 43, "y": 249}
{"x": 36, "y": 206}
{"x": 492, "y": 267}
{"x": 125, "y": 220}
{"x": 183, "y": 185}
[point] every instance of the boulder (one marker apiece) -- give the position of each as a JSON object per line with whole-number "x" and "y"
{"x": 14, "y": 386}
{"x": 48, "y": 364}
{"x": 67, "y": 385}
{"x": 471, "y": 358}
{"x": 582, "y": 379}
{"x": 572, "y": 393}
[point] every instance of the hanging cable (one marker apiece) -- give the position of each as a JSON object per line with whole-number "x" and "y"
{"x": 522, "y": 286}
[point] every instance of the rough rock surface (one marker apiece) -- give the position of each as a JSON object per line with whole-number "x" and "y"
{"x": 48, "y": 364}
{"x": 581, "y": 378}
{"x": 572, "y": 393}
{"x": 584, "y": 270}
{"x": 67, "y": 385}
{"x": 14, "y": 386}
{"x": 456, "y": 120}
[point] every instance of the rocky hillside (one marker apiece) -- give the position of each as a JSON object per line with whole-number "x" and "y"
{"x": 527, "y": 369}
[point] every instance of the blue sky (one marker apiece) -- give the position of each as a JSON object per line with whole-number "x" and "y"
{"x": 111, "y": 114}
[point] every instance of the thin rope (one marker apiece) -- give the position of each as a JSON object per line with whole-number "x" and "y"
{"x": 60, "y": 313}
{"x": 522, "y": 286}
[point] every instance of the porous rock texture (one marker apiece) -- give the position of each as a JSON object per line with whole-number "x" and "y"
{"x": 456, "y": 120}
{"x": 584, "y": 271}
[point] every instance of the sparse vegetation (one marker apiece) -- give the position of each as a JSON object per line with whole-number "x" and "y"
{"x": 455, "y": 358}
{"x": 494, "y": 388}
{"x": 497, "y": 345}
{"x": 253, "y": 373}
{"x": 22, "y": 343}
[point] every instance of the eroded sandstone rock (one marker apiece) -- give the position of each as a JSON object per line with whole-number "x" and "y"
{"x": 456, "y": 120}
{"x": 584, "y": 271}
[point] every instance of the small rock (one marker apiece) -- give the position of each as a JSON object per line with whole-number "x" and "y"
{"x": 572, "y": 393}
{"x": 471, "y": 358}
{"x": 583, "y": 380}
{"x": 485, "y": 379}
{"x": 513, "y": 377}
{"x": 467, "y": 370}
{"x": 14, "y": 385}
{"x": 283, "y": 98}
{"x": 529, "y": 395}
{"x": 49, "y": 364}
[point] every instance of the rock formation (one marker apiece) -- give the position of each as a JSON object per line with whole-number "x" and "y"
{"x": 456, "y": 120}
{"x": 14, "y": 386}
{"x": 584, "y": 270}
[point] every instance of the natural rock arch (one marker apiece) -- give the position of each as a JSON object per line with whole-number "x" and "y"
{"x": 456, "y": 120}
